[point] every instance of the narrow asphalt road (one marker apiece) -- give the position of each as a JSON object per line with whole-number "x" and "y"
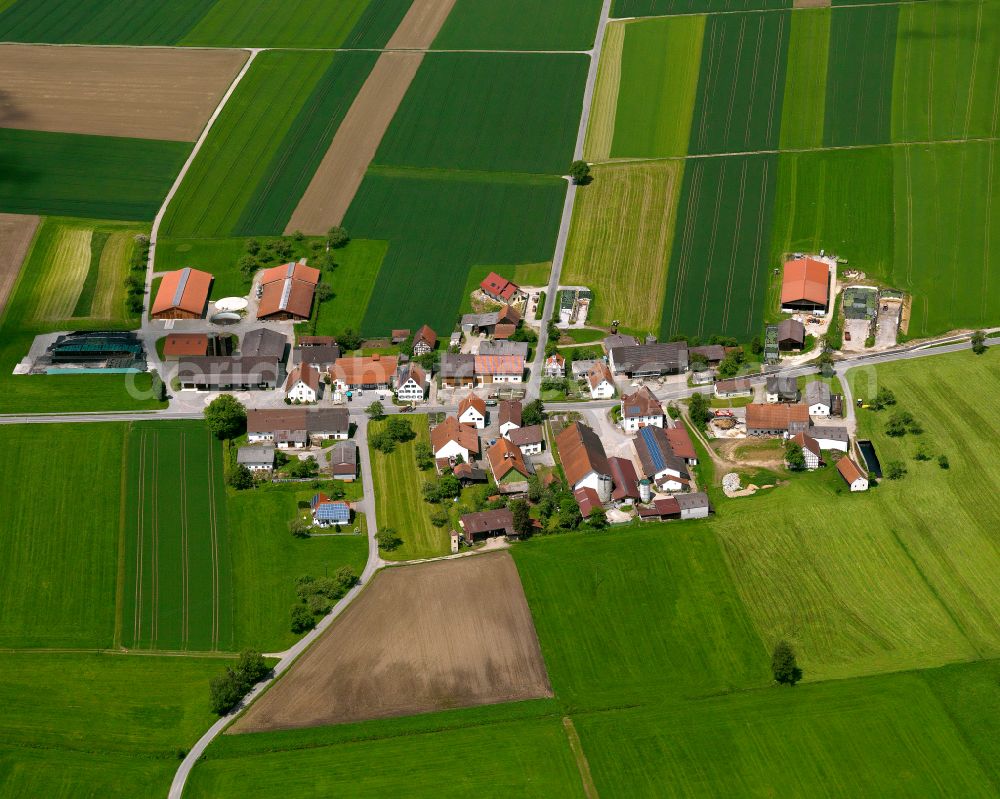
{"x": 289, "y": 656}
{"x": 535, "y": 381}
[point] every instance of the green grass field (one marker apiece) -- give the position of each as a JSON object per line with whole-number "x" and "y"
{"x": 718, "y": 266}
{"x": 520, "y": 25}
{"x": 504, "y": 112}
{"x": 353, "y": 282}
{"x": 621, "y": 240}
{"x": 884, "y": 736}
{"x": 58, "y": 564}
{"x": 648, "y": 8}
{"x": 399, "y": 501}
{"x": 95, "y": 177}
{"x": 73, "y": 276}
{"x": 140, "y": 22}
{"x": 99, "y": 724}
{"x": 637, "y": 616}
{"x": 178, "y": 592}
{"x": 520, "y": 749}
{"x": 740, "y": 91}
{"x": 260, "y": 23}
{"x": 660, "y": 67}
{"x": 945, "y": 82}
{"x": 267, "y": 561}
{"x": 859, "y": 84}
{"x": 438, "y": 227}
{"x": 229, "y": 173}
{"x": 805, "y": 79}
{"x": 945, "y": 235}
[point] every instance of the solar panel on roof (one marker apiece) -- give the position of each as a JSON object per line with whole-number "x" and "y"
{"x": 653, "y": 447}
{"x": 333, "y": 512}
{"x": 181, "y": 285}
{"x": 289, "y": 270}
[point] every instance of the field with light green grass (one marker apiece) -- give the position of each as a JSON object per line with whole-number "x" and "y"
{"x": 399, "y": 501}
{"x": 621, "y": 238}
{"x": 110, "y": 724}
{"x": 267, "y": 560}
{"x": 805, "y": 79}
{"x": 520, "y": 25}
{"x": 522, "y": 274}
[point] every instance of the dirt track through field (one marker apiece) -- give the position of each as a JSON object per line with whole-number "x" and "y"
{"x": 16, "y": 233}
{"x": 143, "y": 93}
{"x": 342, "y": 169}
{"x": 422, "y": 638}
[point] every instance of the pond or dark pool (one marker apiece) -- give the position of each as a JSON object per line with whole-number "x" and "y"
{"x": 871, "y": 459}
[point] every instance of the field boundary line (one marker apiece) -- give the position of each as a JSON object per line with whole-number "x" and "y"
{"x": 185, "y": 577}
{"x": 731, "y": 12}
{"x": 139, "y": 543}
{"x": 576, "y": 747}
{"x": 214, "y": 536}
{"x": 158, "y": 219}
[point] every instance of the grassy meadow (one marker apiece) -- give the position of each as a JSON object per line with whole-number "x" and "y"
{"x": 260, "y": 23}
{"x": 94, "y": 177}
{"x": 647, "y": 8}
{"x": 805, "y": 80}
{"x": 399, "y": 501}
{"x": 625, "y": 218}
{"x": 101, "y": 724}
{"x": 604, "y": 108}
{"x": 267, "y": 560}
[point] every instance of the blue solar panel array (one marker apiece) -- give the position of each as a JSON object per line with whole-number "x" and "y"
{"x": 333, "y": 512}
{"x": 653, "y": 446}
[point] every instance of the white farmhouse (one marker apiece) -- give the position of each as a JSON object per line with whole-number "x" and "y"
{"x": 472, "y": 411}
{"x": 302, "y": 384}
{"x": 641, "y": 409}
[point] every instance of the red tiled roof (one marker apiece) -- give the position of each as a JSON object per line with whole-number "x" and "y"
{"x": 598, "y": 373}
{"x": 365, "y": 370}
{"x": 680, "y": 442}
{"x": 504, "y": 331}
{"x": 808, "y": 443}
{"x": 510, "y": 411}
{"x": 472, "y": 401}
{"x": 849, "y": 470}
{"x": 625, "y": 477}
{"x": 499, "y": 364}
{"x": 186, "y": 344}
{"x": 588, "y": 500}
{"x": 505, "y": 456}
{"x": 581, "y": 452}
{"x": 305, "y": 372}
{"x": 185, "y": 290}
{"x": 642, "y": 403}
{"x": 426, "y": 335}
{"x": 297, "y": 271}
{"x": 452, "y": 430}
{"x": 498, "y": 286}
{"x": 663, "y": 506}
{"x": 775, "y": 417}
{"x": 805, "y": 279}
{"x": 286, "y": 296}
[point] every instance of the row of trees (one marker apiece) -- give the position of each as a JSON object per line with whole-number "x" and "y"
{"x": 397, "y": 430}
{"x": 135, "y": 280}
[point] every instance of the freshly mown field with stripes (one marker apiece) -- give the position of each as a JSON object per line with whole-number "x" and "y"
{"x": 204, "y": 23}
{"x": 178, "y": 579}
{"x": 95, "y": 177}
{"x": 74, "y": 276}
{"x": 878, "y": 124}
{"x": 399, "y": 501}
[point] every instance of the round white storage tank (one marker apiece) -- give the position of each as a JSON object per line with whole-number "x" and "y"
{"x": 645, "y": 490}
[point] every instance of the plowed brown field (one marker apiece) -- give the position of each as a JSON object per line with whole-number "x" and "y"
{"x": 16, "y": 232}
{"x": 439, "y": 635}
{"x": 144, "y": 93}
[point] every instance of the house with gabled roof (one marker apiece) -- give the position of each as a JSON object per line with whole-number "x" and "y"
{"x": 658, "y": 461}
{"x": 510, "y": 468}
{"x": 600, "y": 381}
{"x": 776, "y": 419}
{"x": 424, "y": 341}
{"x": 451, "y": 439}
{"x": 681, "y": 444}
{"x": 626, "y": 481}
{"x": 411, "y": 382}
{"x": 853, "y": 475}
{"x": 819, "y": 398}
{"x": 302, "y": 384}
{"x": 530, "y": 440}
{"x": 287, "y": 291}
{"x": 583, "y": 459}
{"x": 554, "y": 366}
{"x": 641, "y": 409}
{"x": 329, "y": 512}
{"x": 810, "y": 450}
{"x": 472, "y": 411}
{"x": 509, "y": 414}
{"x": 500, "y": 289}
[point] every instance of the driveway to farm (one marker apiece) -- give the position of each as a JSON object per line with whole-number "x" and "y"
{"x": 535, "y": 381}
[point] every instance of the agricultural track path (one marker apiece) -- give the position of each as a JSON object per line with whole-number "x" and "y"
{"x": 288, "y": 657}
{"x": 535, "y": 382}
